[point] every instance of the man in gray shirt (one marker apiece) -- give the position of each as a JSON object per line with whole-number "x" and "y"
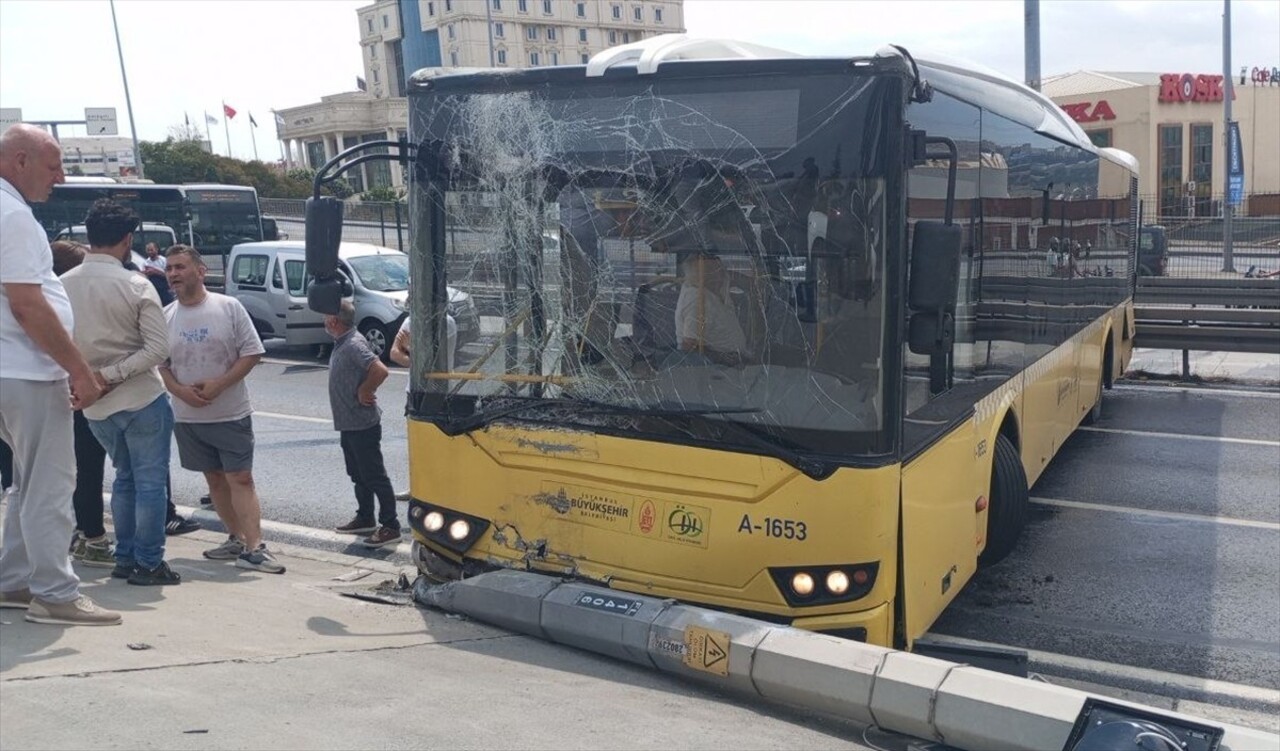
{"x": 355, "y": 373}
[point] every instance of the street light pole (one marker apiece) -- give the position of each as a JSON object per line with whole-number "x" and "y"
{"x": 1228, "y": 262}
{"x": 488, "y": 17}
{"x": 1031, "y": 42}
{"x": 128, "y": 101}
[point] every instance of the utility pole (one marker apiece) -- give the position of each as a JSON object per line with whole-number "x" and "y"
{"x": 1031, "y": 42}
{"x": 488, "y": 17}
{"x": 1228, "y": 262}
{"x": 128, "y": 102}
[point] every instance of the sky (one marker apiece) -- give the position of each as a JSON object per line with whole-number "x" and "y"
{"x": 185, "y": 57}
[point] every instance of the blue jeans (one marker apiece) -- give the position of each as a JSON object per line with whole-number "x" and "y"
{"x": 138, "y": 444}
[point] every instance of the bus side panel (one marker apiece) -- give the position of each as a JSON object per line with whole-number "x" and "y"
{"x": 940, "y": 490}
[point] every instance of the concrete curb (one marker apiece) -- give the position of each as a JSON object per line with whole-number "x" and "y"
{"x": 961, "y": 706}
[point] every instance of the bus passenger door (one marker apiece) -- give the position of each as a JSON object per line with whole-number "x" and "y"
{"x": 940, "y": 488}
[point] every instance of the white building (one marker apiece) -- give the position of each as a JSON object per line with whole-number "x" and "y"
{"x": 98, "y": 156}
{"x": 398, "y": 37}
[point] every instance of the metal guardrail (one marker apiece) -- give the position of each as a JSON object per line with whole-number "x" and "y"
{"x": 1224, "y": 315}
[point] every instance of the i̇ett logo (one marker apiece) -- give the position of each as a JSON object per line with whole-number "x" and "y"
{"x": 684, "y": 523}
{"x": 647, "y": 517}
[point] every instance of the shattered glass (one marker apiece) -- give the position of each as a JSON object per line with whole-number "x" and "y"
{"x": 691, "y": 259}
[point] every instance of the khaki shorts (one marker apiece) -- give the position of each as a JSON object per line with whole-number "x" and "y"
{"x": 215, "y": 446}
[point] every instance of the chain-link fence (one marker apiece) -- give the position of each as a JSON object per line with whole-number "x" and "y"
{"x": 1194, "y": 244}
{"x": 1189, "y": 245}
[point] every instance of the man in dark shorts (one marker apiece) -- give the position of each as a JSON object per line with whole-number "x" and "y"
{"x": 212, "y": 347}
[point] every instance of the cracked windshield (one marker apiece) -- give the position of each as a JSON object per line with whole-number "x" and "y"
{"x": 653, "y": 257}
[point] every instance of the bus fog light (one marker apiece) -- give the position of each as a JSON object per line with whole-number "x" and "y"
{"x": 433, "y": 522}
{"x": 459, "y": 529}
{"x": 802, "y": 584}
{"x": 837, "y": 582}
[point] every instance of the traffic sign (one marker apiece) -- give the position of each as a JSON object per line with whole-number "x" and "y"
{"x": 100, "y": 121}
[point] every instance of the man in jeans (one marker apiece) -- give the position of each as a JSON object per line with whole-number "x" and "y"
{"x": 355, "y": 374}
{"x": 212, "y": 347}
{"x": 42, "y": 378}
{"x": 121, "y": 329}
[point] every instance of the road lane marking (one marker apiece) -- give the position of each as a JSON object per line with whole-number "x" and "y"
{"x": 391, "y": 369}
{"x": 299, "y": 418}
{"x": 1262, "y": 392}
{"x": 1182, "y": 436}
{"x": 1187, "y": 683}
{"x": 1173, "y": 515}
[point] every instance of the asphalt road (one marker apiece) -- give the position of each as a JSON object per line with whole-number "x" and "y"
{"x": 1154, "y": 543}
{"x": 1154, "y": 538}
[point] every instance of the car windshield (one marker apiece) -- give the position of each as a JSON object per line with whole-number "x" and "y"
{"x": 388, "y": 272}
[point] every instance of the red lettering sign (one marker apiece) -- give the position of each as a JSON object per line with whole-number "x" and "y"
{"x": 1184, "y": 87}
{"x": 1088, "y": 112}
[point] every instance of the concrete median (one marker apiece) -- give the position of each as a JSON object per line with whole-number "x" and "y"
{"x": 961, "y": 706}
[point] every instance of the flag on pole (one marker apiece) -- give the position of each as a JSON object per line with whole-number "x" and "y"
{"x": 360, "y": 84}
{"x": 228, "y": 111}
{"x": 279, "y": 120}
{"x": 186, "y": 119}
{"x": 210, "y": 119}
{"x": 252, "y": 122}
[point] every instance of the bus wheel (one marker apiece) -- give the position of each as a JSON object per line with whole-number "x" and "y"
{"x": 1007, "y": 513}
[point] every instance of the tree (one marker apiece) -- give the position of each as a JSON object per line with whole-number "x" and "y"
{"x": 75, "y": 171}
{"x": 185, "y": 131}
{"x": 385, "y": 194}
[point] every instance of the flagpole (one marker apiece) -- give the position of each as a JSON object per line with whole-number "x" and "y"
{"x": 208, "y": 133}
{"x": 253, "y": 138}
{"x": 226, "y": 128}
{"x": 128, "y": 101}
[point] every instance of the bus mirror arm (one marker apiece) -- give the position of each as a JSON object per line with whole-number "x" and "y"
{"x": 324, "y": 219}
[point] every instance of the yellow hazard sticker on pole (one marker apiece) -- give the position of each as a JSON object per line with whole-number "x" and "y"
{"x": 706, "y": 650}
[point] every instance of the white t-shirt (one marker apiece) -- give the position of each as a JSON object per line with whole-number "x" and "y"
{"x": 717, "y": 327}
{"x": 451, "y": 328}
{"x": 159, "y": 263}
{"x": 205, "y": 340}
{"x": 25, "y": 258}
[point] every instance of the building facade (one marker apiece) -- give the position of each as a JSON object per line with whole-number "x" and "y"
{"x": 1172, "y": 123}
{"x": 398, "y": 37}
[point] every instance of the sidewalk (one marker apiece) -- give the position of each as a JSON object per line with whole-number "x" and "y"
{"x": 238, "y": 659}
{"x": 1226, "y": 367}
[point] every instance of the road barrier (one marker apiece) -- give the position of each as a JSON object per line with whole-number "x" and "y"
{"x": 959, "y": 705}
{"x": 1223, "y": 315}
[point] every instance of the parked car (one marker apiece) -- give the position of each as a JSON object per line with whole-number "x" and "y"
{"x": 1153, "y": 251}
{"x": 160, "y": 234}
{"x": 270, "y": 279}
{"x": 271, "y": 229}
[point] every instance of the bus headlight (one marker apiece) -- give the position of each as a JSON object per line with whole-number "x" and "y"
{"x": 459, "y": 530}
{"x": 802, "y": 584}
{"x": 837, "y": 582}
{"x": 451, "y": 530}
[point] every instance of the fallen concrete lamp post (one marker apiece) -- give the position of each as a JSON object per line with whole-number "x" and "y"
{"x": 959, "y": 705}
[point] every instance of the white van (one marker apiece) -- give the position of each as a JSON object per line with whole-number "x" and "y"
{"x": 270, "y": 280}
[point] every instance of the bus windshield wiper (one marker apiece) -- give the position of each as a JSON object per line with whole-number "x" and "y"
{"x": 583, "y": 406}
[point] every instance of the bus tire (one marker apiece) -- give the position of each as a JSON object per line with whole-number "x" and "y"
{"x": 1009, "y": 503}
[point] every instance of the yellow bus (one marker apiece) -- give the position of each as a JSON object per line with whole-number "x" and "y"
{"x": 778, "y": 335}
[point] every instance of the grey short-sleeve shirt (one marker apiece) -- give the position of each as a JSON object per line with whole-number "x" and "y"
{"x": 348, "y": 364}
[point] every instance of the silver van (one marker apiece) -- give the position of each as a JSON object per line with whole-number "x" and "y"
{"x": 270, "y": 279}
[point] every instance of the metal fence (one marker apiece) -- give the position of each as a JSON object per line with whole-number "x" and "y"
{"x": 1196, "y": 244}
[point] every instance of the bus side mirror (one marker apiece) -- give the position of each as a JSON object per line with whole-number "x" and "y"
{"x": 933, "y": 287}
{"x": 323, "y": 235}
{"x": 325, "y": 295}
